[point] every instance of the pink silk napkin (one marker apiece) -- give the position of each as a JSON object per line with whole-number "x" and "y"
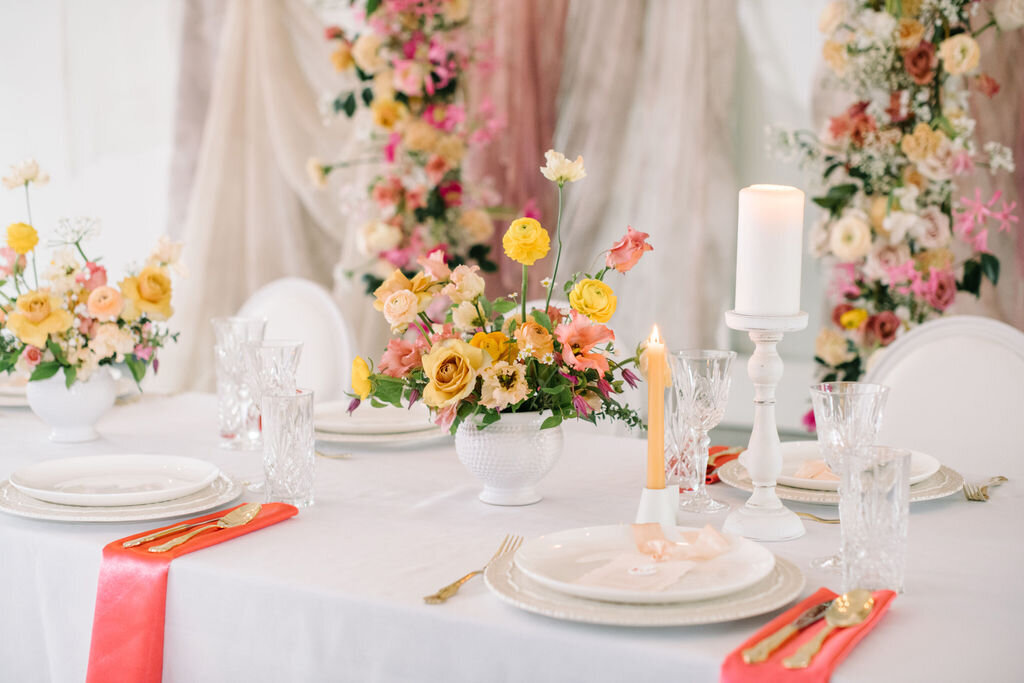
{"x": 838, "y": 645}
{"x": 128, "y": 623}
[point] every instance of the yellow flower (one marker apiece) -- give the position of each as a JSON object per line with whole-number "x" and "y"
{"x": 396, "y": 281}
{"x": 909, "y": 33}
{"x": 36, "y": 315}
{"x": 451, "y": 149}
{"x": 341, "y": 58}
{"x": 149, "y": 292}
{"x": 496, "y": 344}
{"x": 853, "y": 319}
{"x": 877, "y": 211}
{"x": 835, "y": 56}
{"x": 960, "y": 54}
{"x": 22, "y": 237}
{"x": 452, "y": 368}
{"x": 420, "y": 136}
{"x": 317, "y": 172}
{"x": 922, "y": 143}
{"x": 594, "y": 299}
{"x": 386, "y": 113}
{"x": 361, "y": 378}
{"x": 525, "y": 241}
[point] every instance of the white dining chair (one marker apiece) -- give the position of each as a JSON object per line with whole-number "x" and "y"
{"x": 957, "y": 393}
{"x": 301, "y": 309}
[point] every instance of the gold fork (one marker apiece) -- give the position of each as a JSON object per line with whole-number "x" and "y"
{"x": 509, "y": 545}
{"x": 816, "y": 518}
{"x": 979, "y": 492}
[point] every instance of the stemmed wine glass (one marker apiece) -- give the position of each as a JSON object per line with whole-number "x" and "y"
{"x": 270, "y": 369}
{"x": 847, "y": 416}
{"x": 700, "y": 381}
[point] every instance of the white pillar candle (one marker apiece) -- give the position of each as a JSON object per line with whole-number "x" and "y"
{"x": 769, "y": 246}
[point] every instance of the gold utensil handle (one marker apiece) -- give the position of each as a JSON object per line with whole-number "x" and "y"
{"x": 175, "y": 542}
{"x": 801, "y": 659}
{"x": 450, "y": 590}
{"x": 154, "y": 536}
{"x": 816, "y": 518}
{"x": 766, "y": 646}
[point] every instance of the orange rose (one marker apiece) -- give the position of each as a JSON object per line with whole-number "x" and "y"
{"x": 533, "y": 340}
{"x": 105, "y": 303}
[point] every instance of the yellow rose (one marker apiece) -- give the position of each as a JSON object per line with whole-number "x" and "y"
{"x": 22, "y": 237}
{"x": 835, "y": 56}
{"x": 877, "y": 211}
{"x": 149, "y": 292}
{"x": 386, "y": 113}
{"x": 396, "y": 281}
{"x": 922, "y": 143}
{"x": 341, "y": 58}
{"x": 525, "y": 241}
{"x": 496, "y": 344}
{"x": 594, "y": 299}
{"x": 36, "y": 315}
{"x": 960, "y": 54}
{"x": 420, "y": 136}
{"x": 909, "y": 33}
{"x": 361, "y": 378}
{"x": 452, "y": 368}
{"x": 853, "y": 319}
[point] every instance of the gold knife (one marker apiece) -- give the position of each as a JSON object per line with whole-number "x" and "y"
{"x": 166, "y": 532}
{"x": 764, "y": 648}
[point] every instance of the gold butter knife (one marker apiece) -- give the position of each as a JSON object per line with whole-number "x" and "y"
{"x": 764, "y": 648}
{"x": 166, "y": 532}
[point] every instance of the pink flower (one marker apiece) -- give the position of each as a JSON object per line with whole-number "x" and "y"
{"x": 447, "y": 331}
{"x": 416, "y": 198}
{"x": 389, "y": 150}
{"x": 581, "y": 405}
{"x": 409, "y": 77}
{"x": 626, "y": 252}
{"x": 387, "y": 192}
{"x": 86, "y": 325}
{"x": 434, "y": 263}
{"x": 962, "y": 163}
{"x": 808, "y": 421}
{"x": 1004, "y": 216}
{"x": 444, "y": 117}
{"x": 143, "y": 353}
{"x": 986, "y": 85}
{"x": 882, "y": 328}
{"x": 92, "y": 277}
{"x": 855, "y": 123}
{"x": 446, "y": 416}
{"x": 435, "y": 169}
{"x": 333, "y": 33}
{"x": 604, "y": 386}
{"x": 942, "y": 289}
{"x": 451, "y": 192}
{"x": 31, "y": 356}
{"x": 530, "y": 209}
{"x": 10, "y": 261}
{"x": 402, "y": 356}
{"x": 844, "y": 281}
{"x": 578, "y": 337}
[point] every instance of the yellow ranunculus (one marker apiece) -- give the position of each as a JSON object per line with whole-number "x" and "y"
{"x": 361, "y": 378}
{"x": 452, "y": 367}
{"x": 36, "y": 315}
{"x": 386, "y": 113}
{"x": 526, "y": 241}
{"x": 594, "y": 299}
{"x": 148, "y": 292}
{"x": 922, "y": 143}
{"x": 22, "y": 237}
{"x": 341, "y": 58}
{"x": 496, "y": 344}
{"x": 960, "y": 54}
{"x": 853, "y": 319}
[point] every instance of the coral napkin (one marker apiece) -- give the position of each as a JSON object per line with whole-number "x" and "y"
{"x": 128, "y": 624}
{"x": 835, "y": 649}
{"x": 718, "y": 456}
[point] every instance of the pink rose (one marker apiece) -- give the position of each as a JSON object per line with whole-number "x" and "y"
{"x": 387, "y": 192}
{"x": 143, "y": 353}
{"x": 434, "y": 264}
{"x": 435, "y": 169}
{"x": 941, "y": 289}
{"x": 31, "y": 356}
{"x": 882, "y": 328}
{"x": 627, "y": 251}
{"x": 92, "y": 277}
{"x": 402, "y": 356}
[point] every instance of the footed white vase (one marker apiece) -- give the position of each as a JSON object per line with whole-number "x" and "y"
{"x": 510, "y": 456}
{"x": 72, "y": 413}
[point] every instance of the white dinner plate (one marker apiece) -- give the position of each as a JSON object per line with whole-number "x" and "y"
{"x": 382, "y": 439}
{"x": 114, "y": 480}
{"x": 795, "y": 453}
{"x": 334, "y": 418}
{"x": 222, "y": 491}
{"x": 558, "y": 560}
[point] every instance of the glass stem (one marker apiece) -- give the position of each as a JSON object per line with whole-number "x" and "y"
{"x": 702, "y": 443}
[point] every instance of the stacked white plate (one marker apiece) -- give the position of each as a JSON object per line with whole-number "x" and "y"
{"x": 12, "y": 392}
{"x": 745, "y": 581}
{"x": 116, "y": 488}
{"x": 387, "y": 425}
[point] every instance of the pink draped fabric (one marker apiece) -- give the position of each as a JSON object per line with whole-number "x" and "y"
{"x": 526, "y": 39}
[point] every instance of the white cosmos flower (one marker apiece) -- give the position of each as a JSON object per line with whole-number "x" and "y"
{"x": 25, "y": 172}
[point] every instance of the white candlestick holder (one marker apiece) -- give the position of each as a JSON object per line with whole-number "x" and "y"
{"x": 764, "y": 517}
{"x": 658, "y": 505}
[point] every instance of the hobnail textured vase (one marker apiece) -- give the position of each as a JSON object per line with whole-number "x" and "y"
{"x": 72, "y": 412}
{"x": 510, "y": 456}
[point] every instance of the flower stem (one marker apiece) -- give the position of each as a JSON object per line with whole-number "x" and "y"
{"x": 523, "y": 295}
{"x": 558, "y": 254}
{"x": 426, "y": 321}
{"x": 28, "y": 210}
{"x": 78, "y": 246}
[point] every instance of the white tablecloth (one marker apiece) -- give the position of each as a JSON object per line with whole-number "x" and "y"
{"x": 335, "y": 593}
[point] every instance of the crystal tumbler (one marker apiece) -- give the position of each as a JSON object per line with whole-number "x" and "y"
{"x": 289, "y": 457}
{"x": 237, "y": 414}
{"x": 874, "y": 505}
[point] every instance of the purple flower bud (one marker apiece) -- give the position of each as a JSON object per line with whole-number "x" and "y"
{"x": 631, "y": 379}
{"x": 156, "y": 365}
{"x": 604, "y": 387}
{"x": 573, "y": 379}
{"x": 581, "y": 406}
{"x": 353, "y": 405}
{"x": 414, "y": 396}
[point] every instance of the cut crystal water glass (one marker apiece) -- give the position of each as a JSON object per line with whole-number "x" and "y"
{"x": 239, "y": 423}
{"x": 289, "y": 456}
{"x": 700, "y": 384}
{"x": 270, "y": 366}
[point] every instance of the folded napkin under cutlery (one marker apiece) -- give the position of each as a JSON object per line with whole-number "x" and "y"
{"x": 815, "y": 469}
{"x": 839, "y": 644}
{"x": 128, "y": 623}
{"x": 718, "y": 456}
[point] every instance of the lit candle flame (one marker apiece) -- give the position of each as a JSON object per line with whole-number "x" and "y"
{"x": 655, "y": 336}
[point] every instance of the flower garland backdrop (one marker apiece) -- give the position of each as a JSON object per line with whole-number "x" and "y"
{"x": 409, "y": 66}
{"x": 904, "y": 245}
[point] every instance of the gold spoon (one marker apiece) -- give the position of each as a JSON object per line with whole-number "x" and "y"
{"x": 849, "y": 609}
{"x": 237, "y": 517}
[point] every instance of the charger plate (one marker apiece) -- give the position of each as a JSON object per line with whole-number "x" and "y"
{"x": 222, "y": 491}
{"x": 943, "y": 483}
{"x": 795, "y": 453}
{"x": 783, "y": 585}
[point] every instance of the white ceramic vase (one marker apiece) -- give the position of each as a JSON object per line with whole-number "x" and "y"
{"x": 509, "y": 456}
{"x": 72, "y": 413}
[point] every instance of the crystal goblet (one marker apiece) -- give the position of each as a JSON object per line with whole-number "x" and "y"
{"x": 234, "y": 397}
{"x": 270, "y": 367}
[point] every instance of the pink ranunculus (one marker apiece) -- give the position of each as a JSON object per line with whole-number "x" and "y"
{"x": 31, "y": 356}
{"x": 434, "y": 264}
{"x": 451, "y": 192}
{"x": 402, "y": 356}
{"x": 578, "y": 338}
{"x": 941, "y": 289}
{"x": 92, "y": 277}
{"x": 530, "y": 209}
{"x": 626, "y": 252}
{"x": 409, "y": 77}
{"x": 882, "y": 328}
{"x": 389, "y": 150}
{"x": 435, "y": 168}
{"x": 143, "y": 352}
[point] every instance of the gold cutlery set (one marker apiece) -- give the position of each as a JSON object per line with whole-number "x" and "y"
{"x": 240, "y": 516}
{"x": 979, "y": 492}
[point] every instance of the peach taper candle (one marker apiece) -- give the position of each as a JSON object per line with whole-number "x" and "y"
{"x": 656, "y": 363}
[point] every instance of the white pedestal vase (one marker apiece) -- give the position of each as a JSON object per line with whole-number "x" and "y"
{"x": 72, "y": 413}
{"x": 510, "y": 456}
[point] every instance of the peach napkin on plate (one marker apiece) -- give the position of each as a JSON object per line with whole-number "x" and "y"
{"x": 815, "y": 469}
{"x": 838, "y": 645}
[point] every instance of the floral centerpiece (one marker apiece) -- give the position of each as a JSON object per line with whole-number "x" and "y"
{"x": 887, "y": 166}
{"x": 409, "y": 65}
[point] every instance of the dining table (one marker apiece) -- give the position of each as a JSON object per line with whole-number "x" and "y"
{"x": 336, "y": 593}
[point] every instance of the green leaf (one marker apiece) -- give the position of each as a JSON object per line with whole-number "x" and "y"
{"x": 488, "y": 307}
{"x": 70, "y": 372}
{"x": 489, "y": 418}
{"x": 56, "y": 351}
{"x": 45, "y": 370}
{"x": 349, "y": 105}
{"x": 542, "y": 318}
{"x": 504, "y": 306}
{"x": 388, "y": 390}
{"x": 990, "y": 267}
{"x": 971, "y": 282}
{"x": 837, "y": 197}
{"x": 367, "y": 96}
{"x": 136, "y": 367}
{"x": 371, "y": 7}
{"x": 552, "y": 421}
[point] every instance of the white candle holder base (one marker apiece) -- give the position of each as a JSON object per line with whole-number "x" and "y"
{"x": 764, "y": 517}
{"x": 658, "y": 505}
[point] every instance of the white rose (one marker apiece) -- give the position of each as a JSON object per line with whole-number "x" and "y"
{"x": 884, "y": 257}
{"x": 898, "y": 223}
{"x": 464, "y": 284}
{"x": 465, "y": 317}
{"x": 938, "y": 166}
{"x": 400, "y": 309}
{"x": 850, "y": 237}
{"x": 831, "y": 17}
{"x": 1009, "y": 14}
{"x": 110, "y": 341}
{"x": 364, "y": 52}
{"x": 831, "y": 347}
{"x": 377, "y": 236}
{"x": 478, "y": 225}
{"x": 932, "y": 231}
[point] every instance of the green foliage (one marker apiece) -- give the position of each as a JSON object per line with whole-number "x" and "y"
{"x": 367, "y": 96}
{"x": 837, "y": 198}
{"x": 45, "y": 370}
{"x": 971, "y": 281}
{"x": 990, "y": 267}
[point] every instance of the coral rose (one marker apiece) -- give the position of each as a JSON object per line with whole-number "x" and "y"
{"x": 402, "y": 356}
{"x": 882, "y": 328}
{"x": 625, "y": 253}
{"x": 594, "y": 299}
{"x": 526, "y": 241}
{"x": 36, "y": 315}
{"x": 105, "y": 303}
{"x": 149, "y": 292}
{"x": 452, "y": 367}
{"x": 920, "y": 62}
